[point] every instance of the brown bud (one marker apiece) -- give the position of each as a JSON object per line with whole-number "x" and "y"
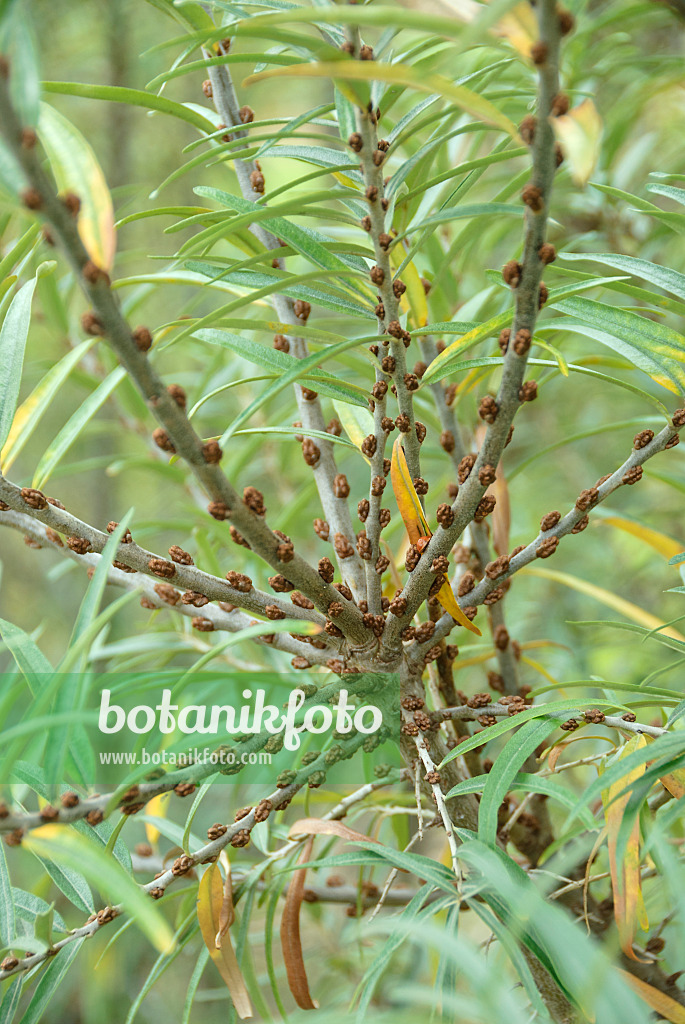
{"x": 326, "y": 570}
{"x": 566, "y": 21}
{"x": 302, "y": 309}
{"x": 445, "y": 516}
{"x": 254, "y": 500}
{"x": 257, "y": 181}
{"x": 369, "y": 445}
{"x": 92, "y": 324}
{"x": 532, "y": 197}
{"x": 178, "y": 394}
{"x": 355, "y": 142}
{"x": 32, "y": 199}
{"x": 485, "y": 507}
{"x": 581, "y": 525}
{"x": 162, "y": 568}
{"x": 587, "y": 499}
{"x": 167, "y": 593}
{"x": 522, "y": 341}
{"x": 341, "y": 488}
{"x": 511, "y": 273}
{"x": 528, "y": 391}
{"x": 202, "y": 625}
{"x": 212, "y": 453}
{"x": 549, "y": 521}
{"x": 547, "y": 547}
{"x": 310, "y": 451}
{"x": 527, "y": 129}
{"x": 538, "y": 53}
{"x": 632, "y": 476}
{"x": 239, "y": 581}
{"x": 322, "y": 529}
{"x": 486, "y": 475}
{"x": 219, "y": 510}
{"x": 465, "y": 467}
{"x": 281, "y": 343}
{"x": 79, "y": 545}
{"x": 498, "y": 567}
{"x": 34, "y": 498}
{"x": 142, "y": 338}
{"x": 163, "y": 441}
{"x": 488, "y": 409}
{"x": 642, "y": 439}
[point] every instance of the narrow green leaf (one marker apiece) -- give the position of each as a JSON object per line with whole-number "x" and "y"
{"x": 51, "y": 978}
{"x": 71, "y": 430}
{"x": 28, "y": 656}
{"x": 10, "y": 1001}
{"x": 442, "y": 365}
{"x": 283, "y": 362}
{"x": 82, "y": 854}
{"x": 13, "y": 335}
{"x": 653, "y": 347}
{"x": 32, "y": 409}
{"x": 135, "y": 98}
{"x": 7, "y": 913}
{"x": 504, "y": 770}
{"x": 663, "y": 277}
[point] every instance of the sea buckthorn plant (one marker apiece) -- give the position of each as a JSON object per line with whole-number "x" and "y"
{"x": 387, "y": 318}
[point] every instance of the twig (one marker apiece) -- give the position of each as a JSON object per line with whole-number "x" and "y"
{"x": 202, "y": 460}
{"x": 335, "y": 508}
{"x": 575, "y": 521}
{"x": 527, "y": 278}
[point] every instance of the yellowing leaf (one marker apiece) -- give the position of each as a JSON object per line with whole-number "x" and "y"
{"x": 323, "y": 827}
{"x": 76, "y": 169}
{"x": 619, "y": 604}
{"x": 665, "y": 545}
{"x": 580, "y": 133}
{"x": 406, "y": 497}
{"x": 345, "y": 71}
{"x": 625, "y": 875}
{"x": 663, "y": 1004}
{"x": 156, "y": 809}
{"x": 519, "y": 26}
{"x": 414, "y": 299}
{"x": 674, "y": 782}
{"x": 449, "y": 603}
{"x": 417, "y": 527}
{"x": 210, "y": 909}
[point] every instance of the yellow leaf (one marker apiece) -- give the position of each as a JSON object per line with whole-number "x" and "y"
{"x": 210, "y": 903}
{"x": 156, "y": 808}
{"x": 580, "y": 133}
{"x": 449, "y": 603}
{"x": 417, "y": 527}
{"x": 625, "y": 876}
{"x": 663, "y": 1004}
{"x": 665, "y": 545}
{"x": 76, "y": 169}
{"x": 414, "y": 299}
{"x": 406, "y": 497}
{"x": 619, "y": 604}
{"x": 519, "y": 26}
{"x": 674, "y": 782}
{"x": 345, "y": 71}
